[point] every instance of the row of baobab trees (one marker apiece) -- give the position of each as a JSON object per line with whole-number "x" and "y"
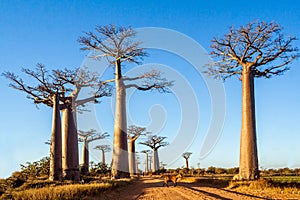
{"x": 258, "y": 49}
{"x": 154, "y": 142}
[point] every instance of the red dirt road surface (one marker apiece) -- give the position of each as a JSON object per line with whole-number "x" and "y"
{"x": 148, "y": 188}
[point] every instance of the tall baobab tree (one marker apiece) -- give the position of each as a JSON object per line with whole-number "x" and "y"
{"x": 50, "y": 90}
{"x": 147, "y": 160}
{"x": 155, "y": 142}
{"x": 133, "y": 133}
{"x": 256, "y": 50}
{"x": 87, "y": 137}
{"x": 118, "y": 46}
{"x": 77, "y": 80}
{"x": 104, "y": 148}
{"x": 44, "y": 92}
{"x": 186, "y": 156}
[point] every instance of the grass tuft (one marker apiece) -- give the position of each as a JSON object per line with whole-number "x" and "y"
{"x": 73, "y": 191}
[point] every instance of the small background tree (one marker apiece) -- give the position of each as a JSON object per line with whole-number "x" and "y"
{"x": 186, "y": 156}
{"x": 103, "y": 148}
{"x": 87, "y": 137}
{"x": 133, "y": 133}
{"x": 155, "y": 142}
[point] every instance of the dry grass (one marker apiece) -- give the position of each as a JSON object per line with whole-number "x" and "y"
{"x": 74, "y": 191}
{"x": 265, "y": 188}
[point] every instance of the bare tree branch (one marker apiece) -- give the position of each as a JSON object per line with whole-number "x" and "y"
{"x": 259, "y": 45}
{"x": 91, "y": 135}
{"x": 105, "y": 147}
{"x": 133, "y": 132}
{"x": 155, "y": 142}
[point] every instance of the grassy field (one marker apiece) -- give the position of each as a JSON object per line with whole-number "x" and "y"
{"x": 70, "y": 191}
{"x": 284, "y": 179}
{"x": 282, "y": 187}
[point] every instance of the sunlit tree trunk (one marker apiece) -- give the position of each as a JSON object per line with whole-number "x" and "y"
{"x": 131, "y": 154}
{"x": 147, "y": 163}
{"x": 85, "y": 157}
{"x": 103, "y": 156}
{"x": 248, "y": 147}
{"x": 155, "y": 160}
{"x": 56, "y": 142}
{"x": 70, "y": 160}
{"x": 120, "y": 168}
{"x": 187, "y": 163}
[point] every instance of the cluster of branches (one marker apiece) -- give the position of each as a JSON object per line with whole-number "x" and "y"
{"x": 155, "y": 142}
{"x": 66, "y": 83}
{"x": 91, "y": 135}
{"x": 117, "y": 45}
{"x": 259, "y": 45}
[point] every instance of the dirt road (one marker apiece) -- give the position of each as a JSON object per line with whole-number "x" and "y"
{"x": 150, "y": 188}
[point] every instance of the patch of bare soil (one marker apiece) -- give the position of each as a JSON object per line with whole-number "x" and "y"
{"x": 148, "y": 188}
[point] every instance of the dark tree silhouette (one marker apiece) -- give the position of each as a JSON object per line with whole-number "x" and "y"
{"x": 118, "y": 46}
{"x": 186, "y": 156}
{"x": 133, "y": 133}
{"x": 87, "y": 137}
{"x": 256, "y": 50}
{"x": 155, "y": 142}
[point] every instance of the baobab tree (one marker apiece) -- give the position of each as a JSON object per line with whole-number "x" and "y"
{"x": 186, "y": 156}
{"x": 256, "y": 50}
{"x": 50, "y": 89}
{"x": 155, "y": 142}
{"x": 104, "y": 148}
{"x": 137, "y": 164}
{"x": 133, "y": 133}
{"x": 76, "y": 80}
{"x": 44, "y": 92}
{"x": 118, "y": 46}
{"x": 147, "y": 160}
{"x": 87, "y": 137}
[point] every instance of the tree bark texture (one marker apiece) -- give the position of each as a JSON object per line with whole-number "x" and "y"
{"x": 248, "y": 146}
{"x": 187, "y": 163}
{"x": 131, "y": 154}
{"x": 70, "y": 160}
{"x": 103, "y": 156}
{"x": 56, "y": 143}
{"x": 155, "y": 161}
{"x": 147, "y": 163}
{"x": 85, "y": 158}
{"x": 120, "y": 168}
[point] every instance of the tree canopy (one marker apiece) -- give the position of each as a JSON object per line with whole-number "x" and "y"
{"x": 261, "y": 46}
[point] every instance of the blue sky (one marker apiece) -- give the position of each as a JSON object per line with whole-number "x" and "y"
{"x": 47, "y": 31}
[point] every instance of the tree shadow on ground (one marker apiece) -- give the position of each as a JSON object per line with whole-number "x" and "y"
{"x": 197, "y": 187}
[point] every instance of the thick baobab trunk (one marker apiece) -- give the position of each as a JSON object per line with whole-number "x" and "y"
{"x": 147, "y": 164}
{"x": 151, "y": 164}
{"x": 187, "y": 163}
{"x": 85, "y": 158}
{"x": 248, "y": 147}
{"x": 131, "y": 154}
{"x": 70, "y": 161}
{"x": 155, "y": 160}
{"x": 56, "y": 142}
{"x": 120, "y": 168}
{"x": 103, "y": 156}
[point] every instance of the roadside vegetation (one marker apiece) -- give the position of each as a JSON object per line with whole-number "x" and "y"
{"x": 32, "y": 182}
